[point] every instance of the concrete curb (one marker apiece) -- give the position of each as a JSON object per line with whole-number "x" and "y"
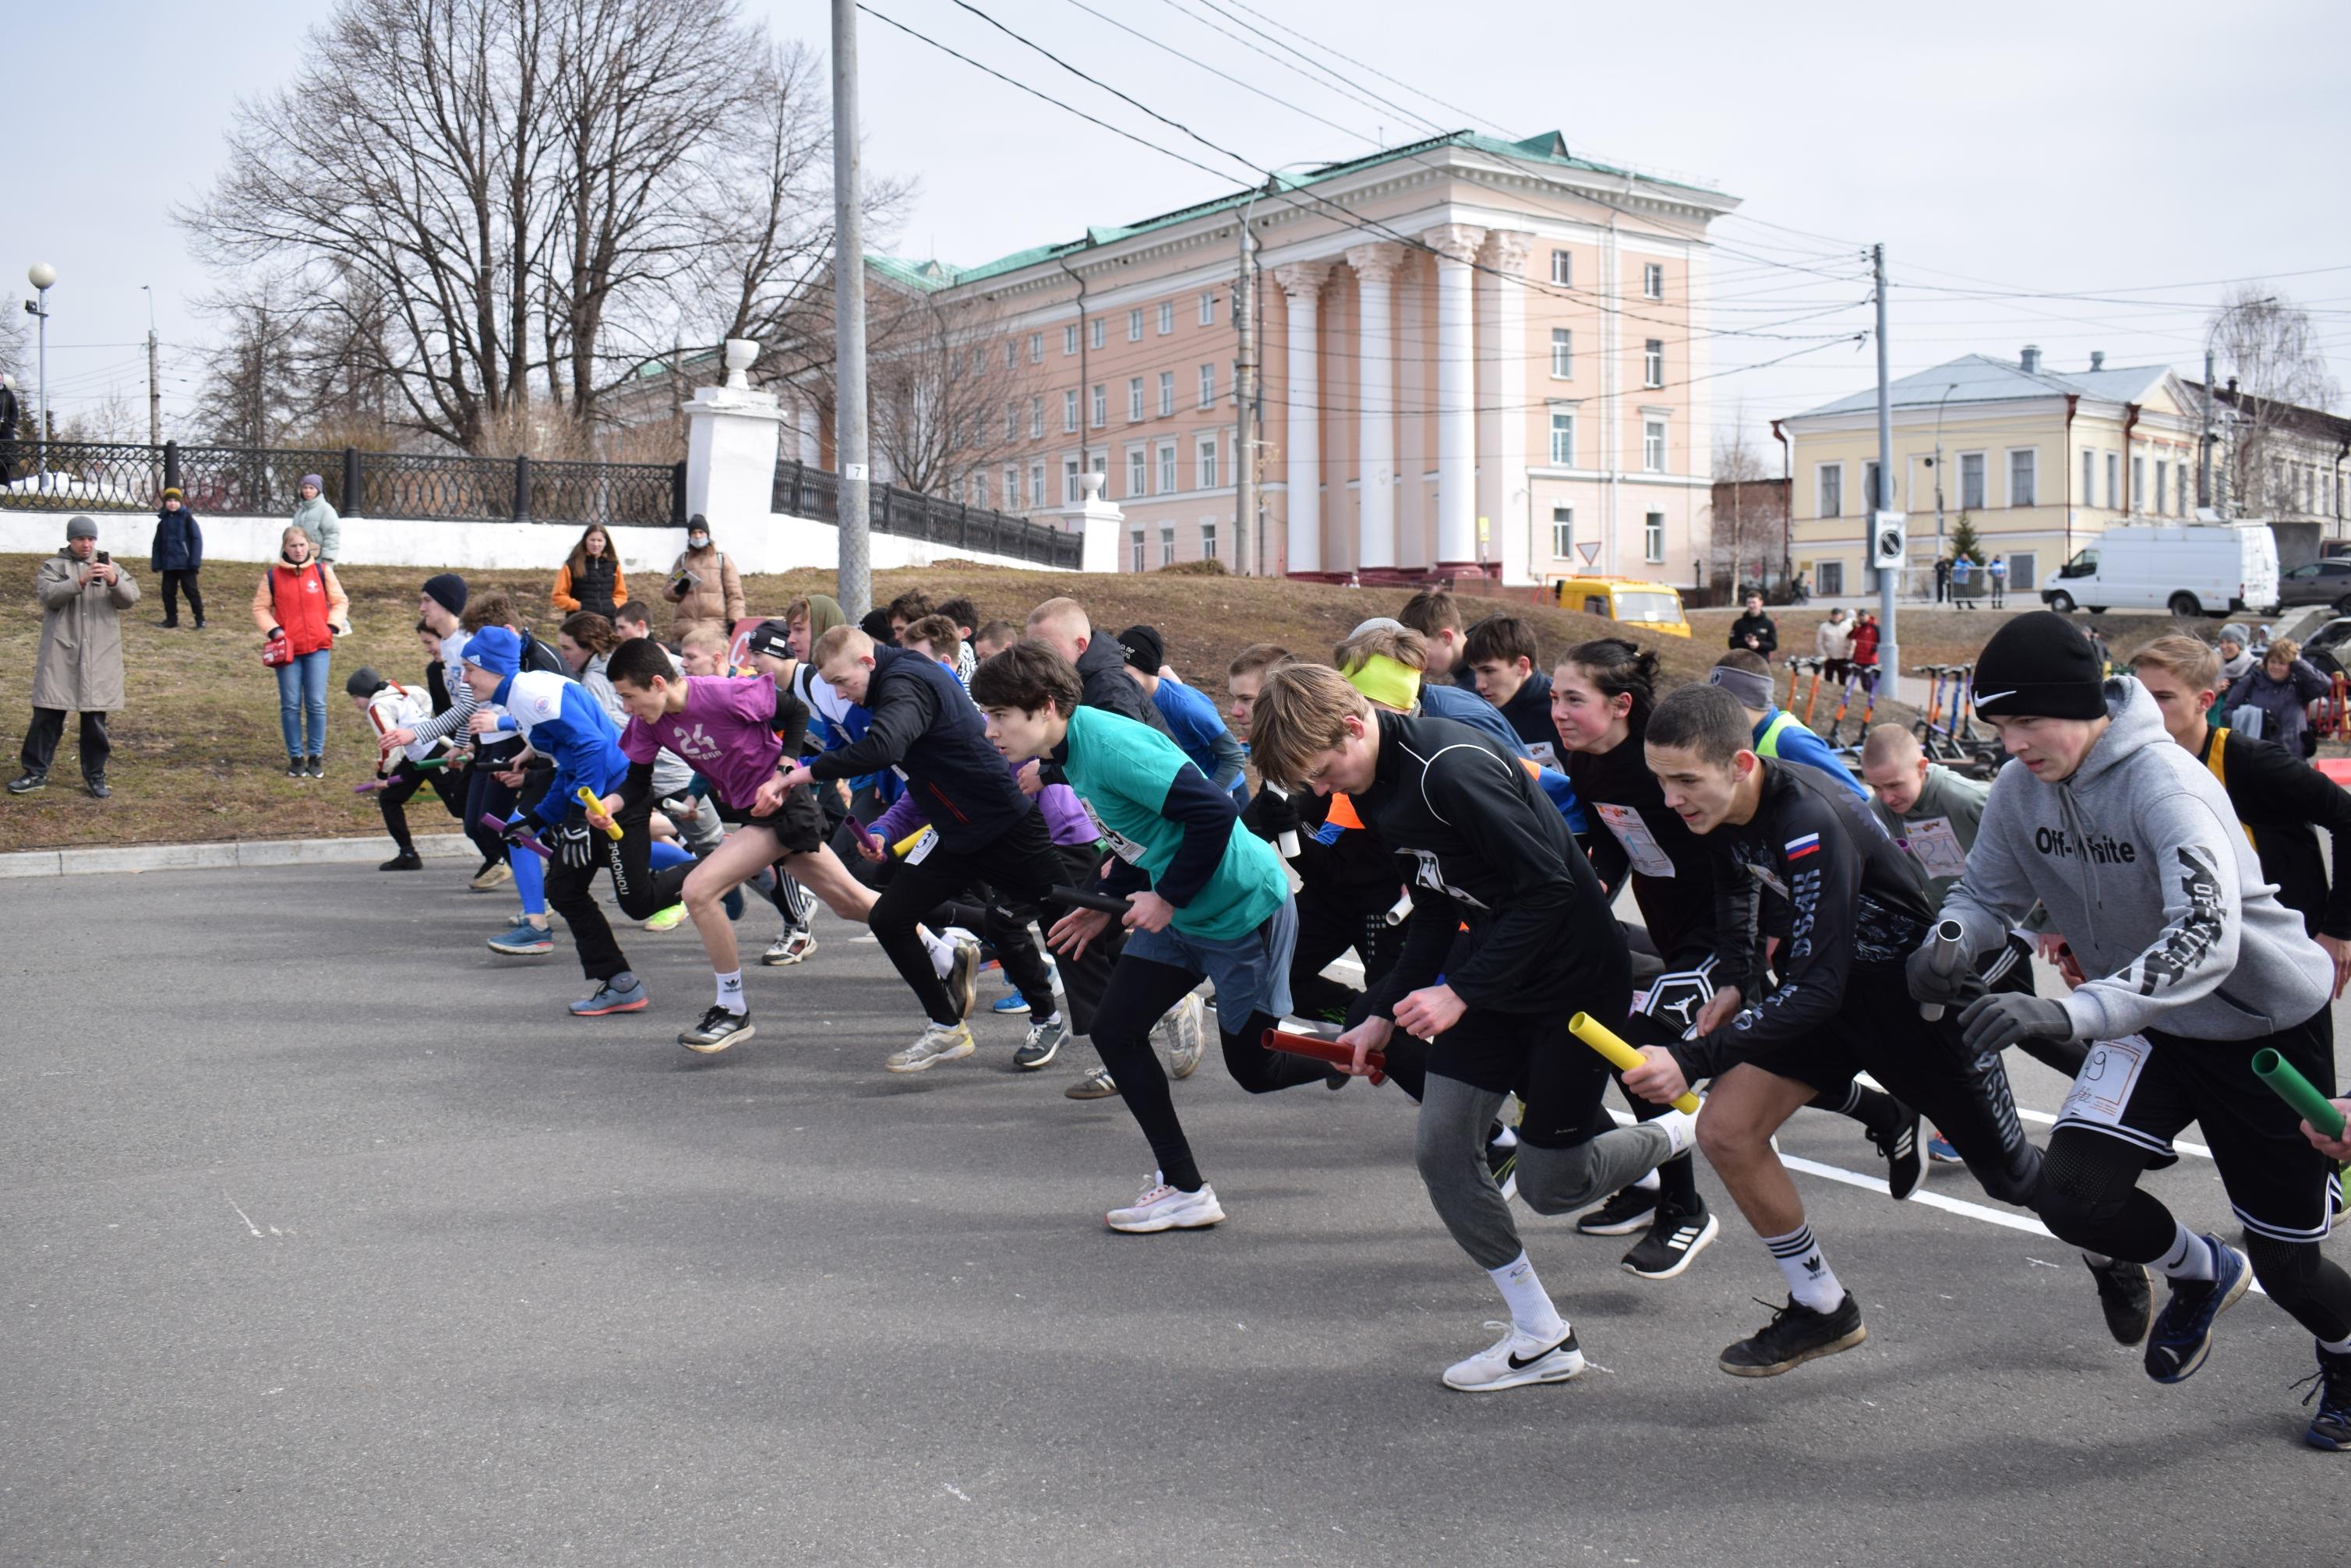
{"x": 214, "y": 857}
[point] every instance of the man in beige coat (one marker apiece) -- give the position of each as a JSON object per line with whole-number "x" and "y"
{"x": 703, "y": 585}
{"x": 80, "y": 670}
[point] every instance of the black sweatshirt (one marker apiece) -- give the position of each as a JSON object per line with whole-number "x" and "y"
{"x": 1480, "y": 842}
{"x": 1853, "y": 898}
{"x": 924, "y": 727}
{"x": 1675, "y": 894}
{"x": 2282, "y": 800}
{"x": 1762, "y": 628}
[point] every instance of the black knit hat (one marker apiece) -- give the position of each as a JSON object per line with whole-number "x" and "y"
{"x": 447, "y": 590}
{"x": 364, "y": 683}
{"x": 1143, "y": 648}
{"x": 2039, "y": 665}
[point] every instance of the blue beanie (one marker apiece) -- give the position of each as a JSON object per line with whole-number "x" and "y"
{"x": 495, "y": 649}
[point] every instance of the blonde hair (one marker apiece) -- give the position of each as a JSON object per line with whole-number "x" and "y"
{"x": 2184, "y": 657}
{"x": 706, "y": 640}
{"x": 292, "y": 529}
{"x": 844, "y": 638}
{"x": 1888, "y": 743}
{"x": 1301, "y": 711}
{"x": 1066, "y": 614}
{"x": 1402, "y": 643}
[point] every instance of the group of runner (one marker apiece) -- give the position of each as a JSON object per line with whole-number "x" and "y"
{"x": 1464, "y": 819}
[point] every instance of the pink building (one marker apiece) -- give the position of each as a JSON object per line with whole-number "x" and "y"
{"x": 1476, "y": 356}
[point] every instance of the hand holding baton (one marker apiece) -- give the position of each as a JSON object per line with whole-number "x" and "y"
{"x": 1949, "y": 952}
{"x": 2287, "y": 1083}
{"x": 1375, "y": 1062}
{"x": 1288, "y": 840}
{"x": 514, "y": 833}
{"x": 1621, "y": 1056}
{"x": 595, "y": 804}
{"x": 1077, "y": 898}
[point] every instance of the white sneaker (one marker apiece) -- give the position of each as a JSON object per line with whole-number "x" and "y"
{"x": 1517, "y": 1358}
{"x": 1163, "y": 1207}
{"x": 791, "y": 948}
{"x": 939, "y": 1042}
{"x": 1183, "y": 1033}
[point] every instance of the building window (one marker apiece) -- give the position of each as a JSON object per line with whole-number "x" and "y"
{"x": 1166, "y": 393}
{"x": 1562, "y": 268}
{"x": 1828, "y": 490}
{"x": 1830, "y": 579}
{"x": 1069, "y": 339}
{"x": 1653, "y": 537}
{"x": 1011, "y": 487}
{"x": 1167, "y": 468}
{"x": 1167, "y": 544}
{"x": 2137, "y": 496}
{"x": 2089, "y": 478}
{"x": 1653, "y": 281}
{"x": 1562, "y": 440}
{"x": 1036, "y": 484}
{"x": 1971, "y": 481}
{"x": 2023, "y": 572}
{"x": 1011, "y": 353}
{"x": 1166, "y": 317}
{"x": 1101, "y": 406}
{"x": 1036, "y": 348}
{"x": 2023, "y": 469}
{"x": 1133, "y": 398}
{"x": 1563, "y": 524}
{"x": 1562, "y": 354}
{"x": 1207, "y": 467}
{"x": 1872, "y": 501}
{"x": 1653, "y": 363}
{"x": 1070, "y": 483}
{"x": 1036, "y": 418}
{"x": 1138, "y": 473}
{"x": 979, "y": 489}
{"x": 1070, "y": 409}
{"x": 1653, "y": 446}
{"x": 1099, "y": 331}
{"x": 1011, "y": 421}
{"x": 1134, "y": 540}
{"x": 1207, "y": 309}
{"x": 1135, "y": 325}
{"x": 1207, "y": 541}
{"x": 2114, "y": 481}
{"x": 1207, "y": 386}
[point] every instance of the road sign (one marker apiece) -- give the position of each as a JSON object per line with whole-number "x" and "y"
{"x": 1889, "y": 541}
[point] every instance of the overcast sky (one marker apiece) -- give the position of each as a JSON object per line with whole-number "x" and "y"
{"x": 2034, "y": 146}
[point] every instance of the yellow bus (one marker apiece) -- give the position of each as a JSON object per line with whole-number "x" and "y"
{"x": 1652, "y": 606}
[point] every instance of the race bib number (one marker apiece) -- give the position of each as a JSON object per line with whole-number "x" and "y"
{"x": 1119, "y": 844}
{"x": 1935, "y": 846}
{"x": 2102, "y": 1089}
{"x": 922, "y": 847}
{"x": 1640, "y": 844}
{"x": 1543, "y": 751}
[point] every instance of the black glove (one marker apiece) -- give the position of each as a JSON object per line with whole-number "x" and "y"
{"x": 572, "y": 846}
{"x": 516, "y": 831}
{"x": 1926, "y": 985}
{"x": 1998, "y": 1019}
{"x": 1269, "y": 815}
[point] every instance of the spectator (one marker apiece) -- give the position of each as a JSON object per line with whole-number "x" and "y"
{"x": 2235, "y": 659}
{"x": 178, "y": 555}
{"x": 1962, "y": 585}
{"x": 80, "y": 664}
{"x": 2279, "y": 686}
{"x": 703, "y": 585}
{"x": 1833, "y": 640}
{"x": 1998, "y": 574}
{"x": 590, "y": 578}
{"x": 300, "y": 602}
{"x": 315, "y": 517}
{"x": 1864, "y": 647}
{"x": 1754, "y": 631}
{"x": 9, "y": 415}
{"x": 1942, "y": 578}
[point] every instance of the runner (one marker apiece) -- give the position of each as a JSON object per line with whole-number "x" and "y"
{"x": 1192, "y": 717}
{"x": 388, "y": 705}
{"x": 1776, "y": 732}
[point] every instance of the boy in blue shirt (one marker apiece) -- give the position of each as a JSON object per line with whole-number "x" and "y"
{"x": 1192, "y": 716}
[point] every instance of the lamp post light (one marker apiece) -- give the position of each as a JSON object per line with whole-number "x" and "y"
{"x": 43, "y": 278}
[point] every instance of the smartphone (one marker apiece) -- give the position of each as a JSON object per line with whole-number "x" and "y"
{"x": 104, "y": 558}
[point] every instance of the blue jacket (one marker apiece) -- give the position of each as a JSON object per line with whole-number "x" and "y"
{"x": 1197, "y": 727}
{"x": 562, "y": 719}
{"x": 1468, "y": 708}
{"x": 179, "y": 542}
{"x": 1797, "y": 744}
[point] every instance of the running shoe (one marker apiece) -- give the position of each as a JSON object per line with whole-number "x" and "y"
{"x": 524, "y": 941}
{"x": 1502, "y": 1165}
{"x": 1632, "y": 1210}
{"x": 963, "y": 978}
{"x": 2182, "y": 1336}
{"x": 1044, "y": 1043}
{"x": 1897, "y": 1137}
{"x": 613, "y": 997}
{"x": 790, "y": 947}
{"x": 718, "y": 1030}
{"x": 1164, "y": 1207}
{"x": 2126, "y": 1295}
{"x": 1095, "y": 1085}
{"x": 939, "y": 1042}
{"x": 25, "y": 783}
{"x": 2330, "y": 1428}
{"x": 497, "y": 874}
{"x": 666, "y": 919}
{"x": 1184, "y": 1031}
{"x": 1012, "y": 1002}
{"x": 1797, "y": 1334}
{"x": 1675, "y": 1236}
{"x": 1941, "y": 1151}
{"x": 406, "y": 859}
{"x": 1515, "y": 1360}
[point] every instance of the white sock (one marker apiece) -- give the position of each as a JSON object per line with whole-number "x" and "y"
{"x": 1680, "y": 1128}
{"x": 941, "y": 950}
{"x": 1532, "y": 1312}
{"x": 1648, "y": 1183}
{"x": 2336, "y": 1347}
{"x": 1508, "y": 1139}
{"x": 730, "y": 993}
{"x": 1809, "y": 1279}
{"x": 1050, "y": 1018}
{"x": 2190, "y": 1257}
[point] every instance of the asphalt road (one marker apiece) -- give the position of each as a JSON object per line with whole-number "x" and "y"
{"x": 330, "y": 1239}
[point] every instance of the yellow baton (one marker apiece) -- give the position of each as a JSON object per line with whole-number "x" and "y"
{"x": 1610, "y": 1044}
{"x": 594, "y": 802}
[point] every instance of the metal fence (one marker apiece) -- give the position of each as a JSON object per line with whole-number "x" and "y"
{"x": 237, "y": 481}
{"x": 804, "y": 492}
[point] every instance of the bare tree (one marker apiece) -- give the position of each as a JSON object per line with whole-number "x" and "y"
{"x": 250, "y": 378}
{"x": 951, "y": 390}
{"x": 2269, "y": 347}
{"x": 1747, "y": 522}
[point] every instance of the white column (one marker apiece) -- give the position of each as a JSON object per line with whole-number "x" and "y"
{"x": 1415, "y": 457}
{"x": 1455, "y": 245}
{"x": 732, "y": 438}
{"x": 1301, "y": 453}
{"x": 1504, "y": 417}
{"x": 1375, "y": 268}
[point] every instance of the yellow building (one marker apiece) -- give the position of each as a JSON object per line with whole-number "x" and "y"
{"x": 2038, "y": 460}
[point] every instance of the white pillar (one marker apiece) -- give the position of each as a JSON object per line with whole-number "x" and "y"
{"x": 1503, "y": 418}
{"x": 1301, "y": 451}
{"x": 732, "y": 437}
{"x": 1375, "y": 267}
{"x": 1455, "y": 245}
{"x": 1101, "y": 523}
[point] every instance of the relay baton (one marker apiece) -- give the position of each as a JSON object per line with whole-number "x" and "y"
{"x": 440, "y": 761}
{"x": 1375, "y": 1062}
{"x": 1944, "y": 958}
{"x": 590, "y": 798}
{"x": 1621, "y": 1056}
{"x": 2288, "y": 1084}
{"x": 1289, "y": 839}
{"x": 1399, "y": 912}
{"x": 1077, "y": 898}
{"x": 370, "y": 786}
{"x": 498, "y": 825}
{"x": 906, "y": 846}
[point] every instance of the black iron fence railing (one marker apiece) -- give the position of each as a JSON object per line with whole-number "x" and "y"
{"x": 815, "y": 493}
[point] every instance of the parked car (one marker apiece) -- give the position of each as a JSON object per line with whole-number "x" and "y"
{"x": 2189, "y": 569}
{"x": 2325, "y": 647}
{"x": 1652, "y": 606}
{"x": 2320, "y": 582}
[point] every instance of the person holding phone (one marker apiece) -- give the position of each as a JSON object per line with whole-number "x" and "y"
{"x": 83, "y": 594}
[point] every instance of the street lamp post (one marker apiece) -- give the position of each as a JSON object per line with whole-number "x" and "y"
{"x": 43, "y": 278}
{"x": 1938, "y": 466}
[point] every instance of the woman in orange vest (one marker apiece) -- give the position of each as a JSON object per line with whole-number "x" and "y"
{"x": 301, "y": 609}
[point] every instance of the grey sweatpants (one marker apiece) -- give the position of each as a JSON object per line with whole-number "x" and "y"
{"x": 1451, "y": 1150}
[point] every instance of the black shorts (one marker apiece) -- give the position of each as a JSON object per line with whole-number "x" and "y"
{"x": 2280, "y": 1186}
{"x": 1557, "y": 1077}
{"x": 798, "y": 824}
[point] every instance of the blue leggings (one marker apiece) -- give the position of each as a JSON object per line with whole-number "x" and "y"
{"x": 302, "y": 695}
{"x": 530, "y": 872}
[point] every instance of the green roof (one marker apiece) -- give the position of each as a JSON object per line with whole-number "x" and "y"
{"x": 1548, "y": 148}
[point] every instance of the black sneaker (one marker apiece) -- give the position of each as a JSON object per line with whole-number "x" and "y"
{"x": 718, "y": 1030}
{"x": 2330, "y": 1428}
{"x": 294, "y": 768}
{"x": 1897, "y": 1137}
{"x": 1630, "y": 1210}
{"x": 406, "y": 859}
{"x": 2126, "y": 1295}
{"x": 96, "y": 787}
{"x": 1675, "y": 1236}
{"x": 26, "y": 784}
{"x": 1797, "y": 1334}
{"x": 316, "y": 766}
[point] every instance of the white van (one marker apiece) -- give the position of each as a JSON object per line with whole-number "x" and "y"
{"x": 2189, "y": 569}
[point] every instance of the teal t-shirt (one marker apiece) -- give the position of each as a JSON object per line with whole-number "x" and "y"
{"x": 1121, "y": 771}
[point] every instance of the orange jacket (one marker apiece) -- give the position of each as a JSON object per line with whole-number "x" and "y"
{"x": 566, "y": 601}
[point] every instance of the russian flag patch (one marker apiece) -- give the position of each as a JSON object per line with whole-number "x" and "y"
{"x": 1799, "y": 848}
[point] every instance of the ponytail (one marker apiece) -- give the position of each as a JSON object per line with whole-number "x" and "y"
{"x": 1616, "y": 668}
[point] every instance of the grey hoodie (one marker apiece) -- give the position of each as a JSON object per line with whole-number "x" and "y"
{"x": 2141, "y": 863}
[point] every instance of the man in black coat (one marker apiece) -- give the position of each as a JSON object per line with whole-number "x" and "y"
{"x": 1755, "y": 631}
